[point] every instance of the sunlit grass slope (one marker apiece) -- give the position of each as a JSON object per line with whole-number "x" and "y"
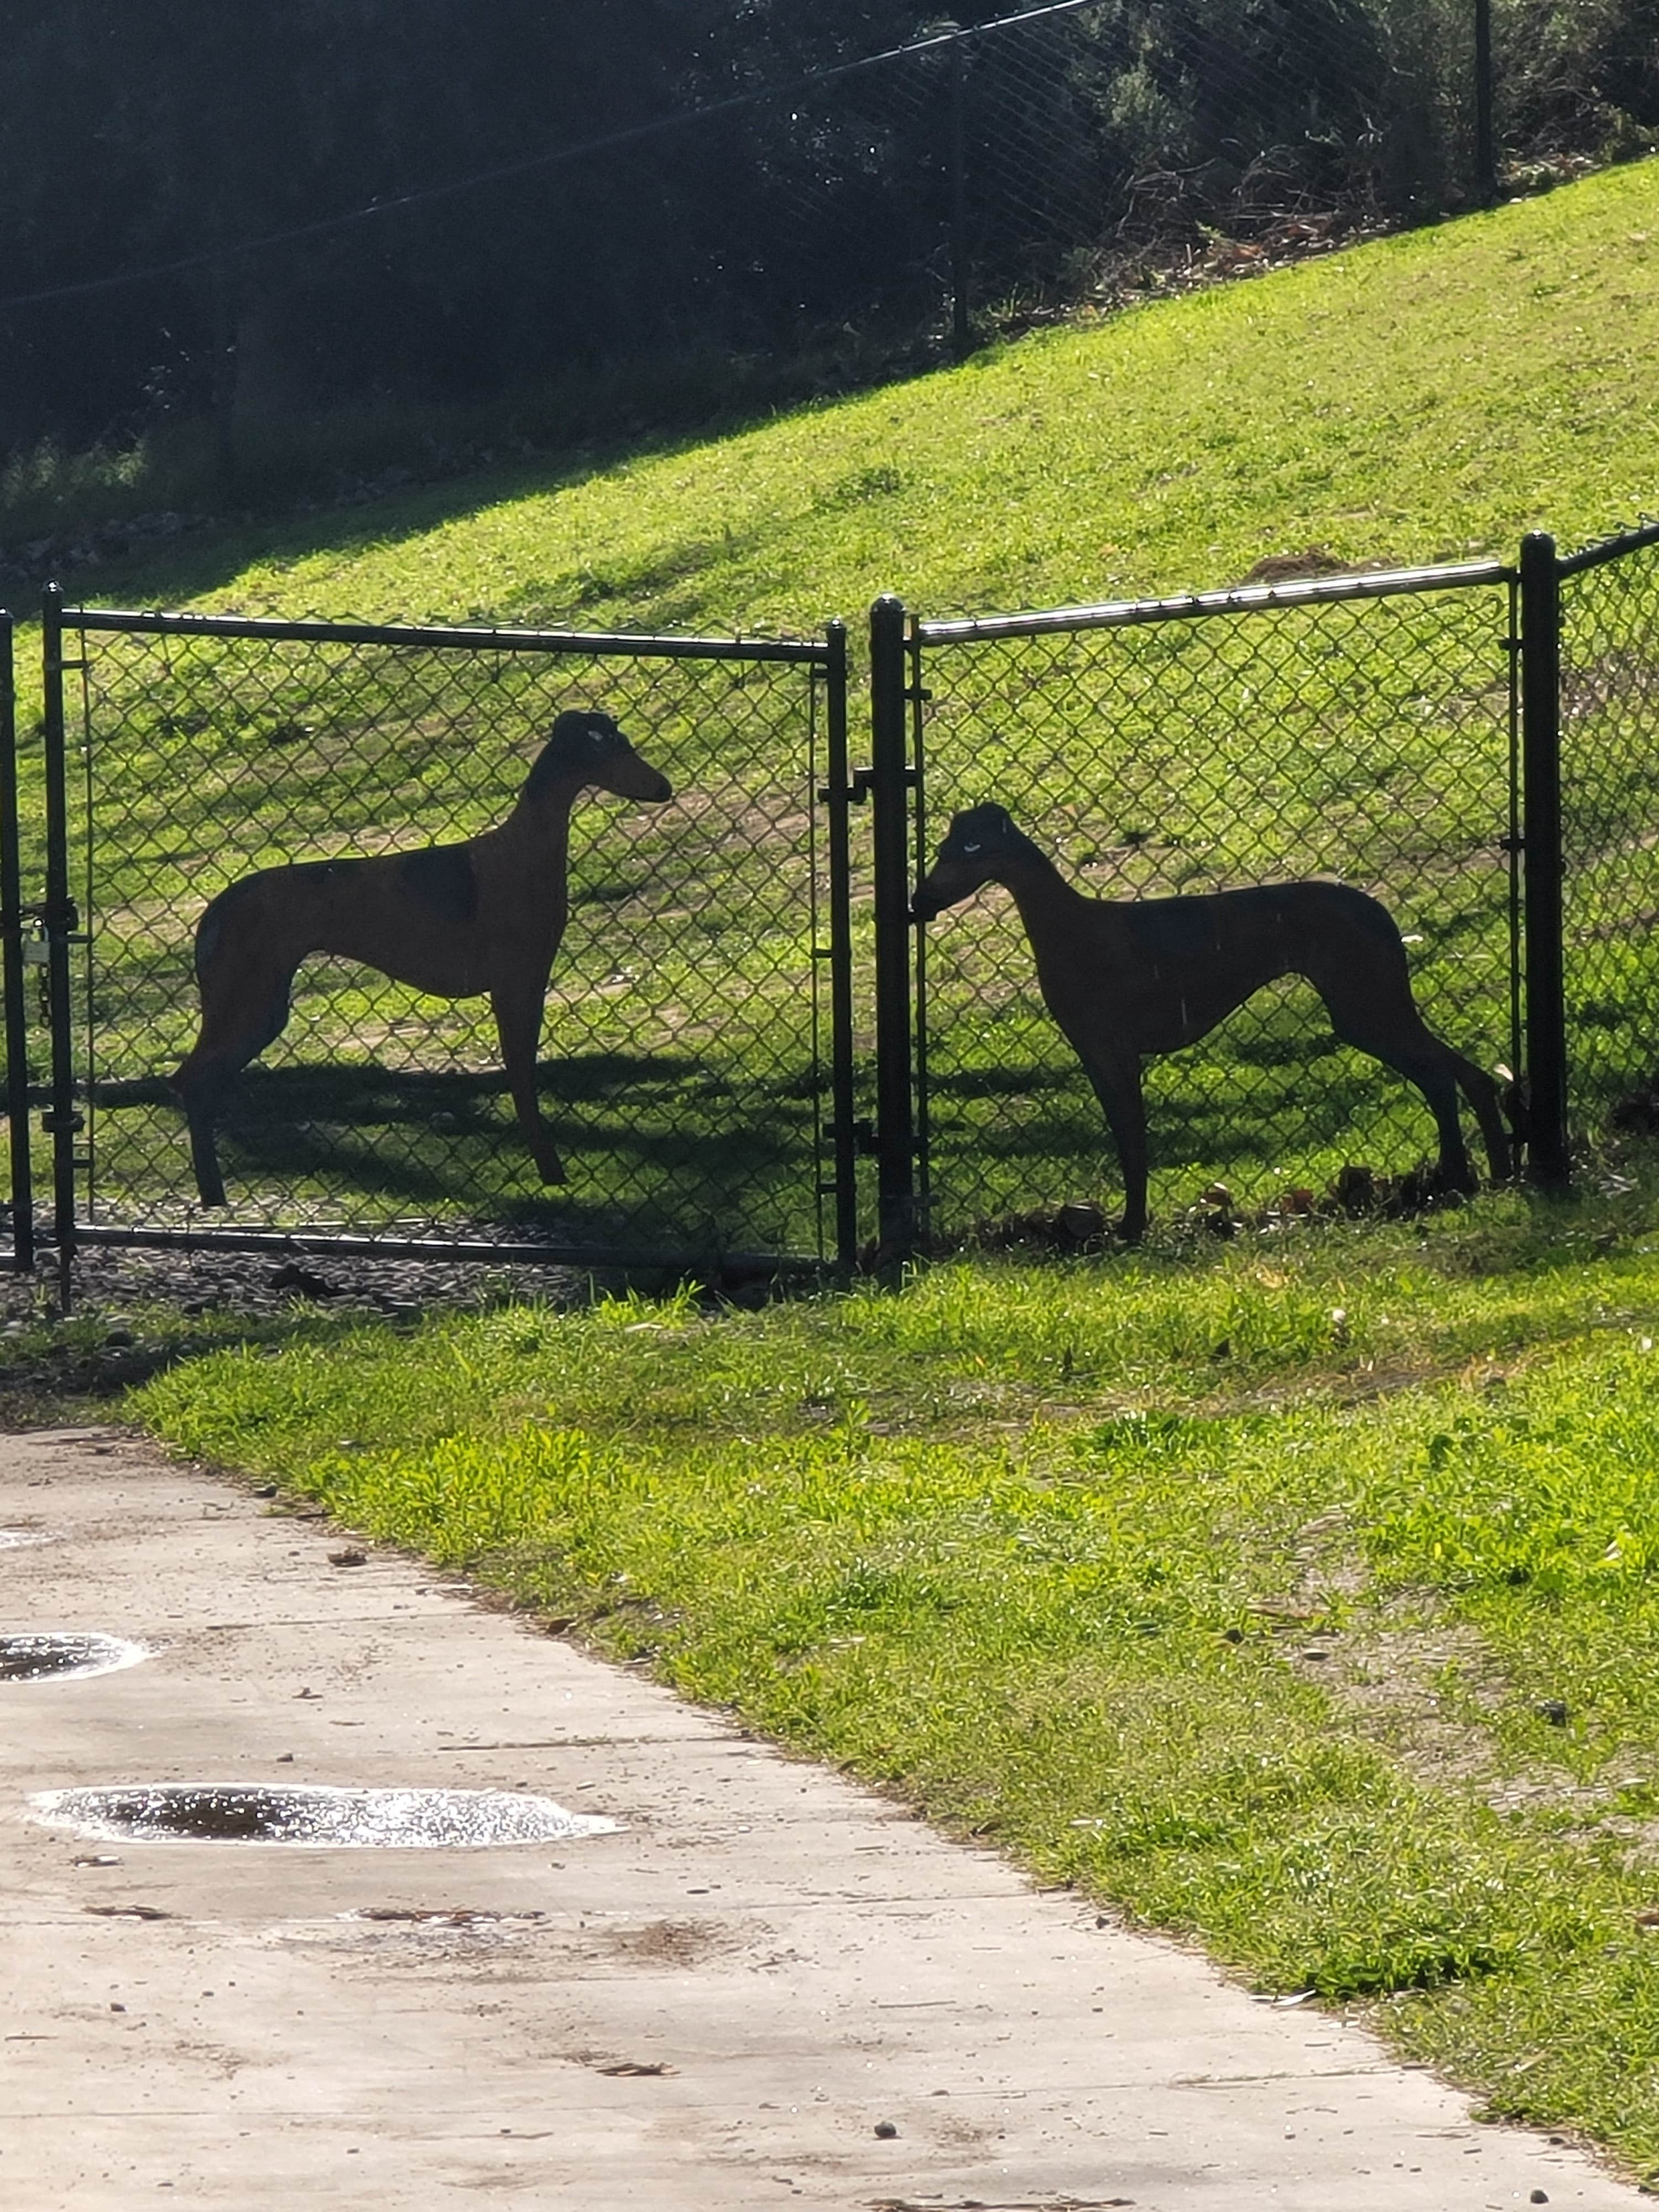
{"x": 1421, "y": 397}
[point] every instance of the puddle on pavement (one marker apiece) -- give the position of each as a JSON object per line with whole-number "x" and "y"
{"x": 349, "y": 1820}
{"x": 64, "y": 1658}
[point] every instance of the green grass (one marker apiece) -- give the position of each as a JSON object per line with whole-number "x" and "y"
{"x": 1424, "y": 397}
{"x": 1235, "y": 1586}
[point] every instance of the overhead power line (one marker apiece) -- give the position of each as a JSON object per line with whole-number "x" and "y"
{"x": 632, "y": 134}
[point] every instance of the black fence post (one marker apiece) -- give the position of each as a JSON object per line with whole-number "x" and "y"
{"x": 889, "y": 784}
{"x": 1485, "y": 144}
{"x": 836, "y": 794}
{"x": 63, "y": 1121}
{"x": 962, "y": 335}
{"x": 15, "y": 979}
{"x": 1541, "y": 749}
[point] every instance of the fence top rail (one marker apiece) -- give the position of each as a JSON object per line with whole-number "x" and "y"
{"x": 1608, "y": 548}
{"x": 1244, "y": 599}
{"x": 456, "y": 636}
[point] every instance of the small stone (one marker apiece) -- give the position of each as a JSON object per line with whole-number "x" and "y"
{"x": 266, "y": 1490}
{"x": 1080, "y": 1223}
{"x": 348, "y": 1559}
{"x": 1554, "y": 1710}
{"x": 886, "y": 2130}
{"x": 117, "y": 1338}
{"x": 1539, "y": 2196}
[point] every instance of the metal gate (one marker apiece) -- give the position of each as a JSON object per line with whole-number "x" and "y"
{"x": 1365, "y": 729}
{"x": 689, "y": 1078}
{"x": 1474, "y": 745}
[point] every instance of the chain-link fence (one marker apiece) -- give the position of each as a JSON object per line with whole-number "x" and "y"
{"x": 1360, "y": 731}
{"x": 682, "y": 1075}
{"x": 1609, "y": 741}
{"x": 1104, "y": 146}
{"x": 739, "y": 980}
{"x": 776, "y": 198}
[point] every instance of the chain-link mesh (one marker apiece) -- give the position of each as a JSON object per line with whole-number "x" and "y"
{"x": 1610, "y": 832}
{"x": 680, "y": 1071}
{"x": 1364, "y": 738}
{"x": 1042, "y": 157}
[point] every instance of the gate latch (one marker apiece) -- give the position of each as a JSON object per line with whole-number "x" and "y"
{"x": 857, "y": 791}
{"x": 861, "y": 783}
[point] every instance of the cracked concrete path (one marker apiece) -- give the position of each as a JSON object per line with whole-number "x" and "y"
{"x": 713, "y": 2008}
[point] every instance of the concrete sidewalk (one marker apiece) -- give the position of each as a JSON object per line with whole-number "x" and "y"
{"x": 716, "y": 2006}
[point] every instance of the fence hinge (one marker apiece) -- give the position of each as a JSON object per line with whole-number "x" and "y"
{"x": 1512, "y": 844}
{"x": 918, "y": 694}
{"x": 864, "y": 1139}
{"x": 51, "y": 1122}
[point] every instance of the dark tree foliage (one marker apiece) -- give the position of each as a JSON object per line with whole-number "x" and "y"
{"x": 133, "y": 136}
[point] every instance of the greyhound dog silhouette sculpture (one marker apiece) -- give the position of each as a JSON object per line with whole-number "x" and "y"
{"x": 1128, "y": 978}
{"x": 455, "y": 920}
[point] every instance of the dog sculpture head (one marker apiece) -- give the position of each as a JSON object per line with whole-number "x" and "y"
{"x": 585, "y": 746}
{"x": 979, "y": 847}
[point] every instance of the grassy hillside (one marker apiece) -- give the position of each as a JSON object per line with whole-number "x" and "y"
{"x": 1426, "y": 397}
{"x": 1416, "y": 399}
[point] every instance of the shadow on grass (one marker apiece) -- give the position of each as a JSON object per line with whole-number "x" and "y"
{"x": 1199, "y": 1116}
{"x": 62, "y": 1373}
{"x": 724, "y": 406}
{"x": 662, "y": 1149}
